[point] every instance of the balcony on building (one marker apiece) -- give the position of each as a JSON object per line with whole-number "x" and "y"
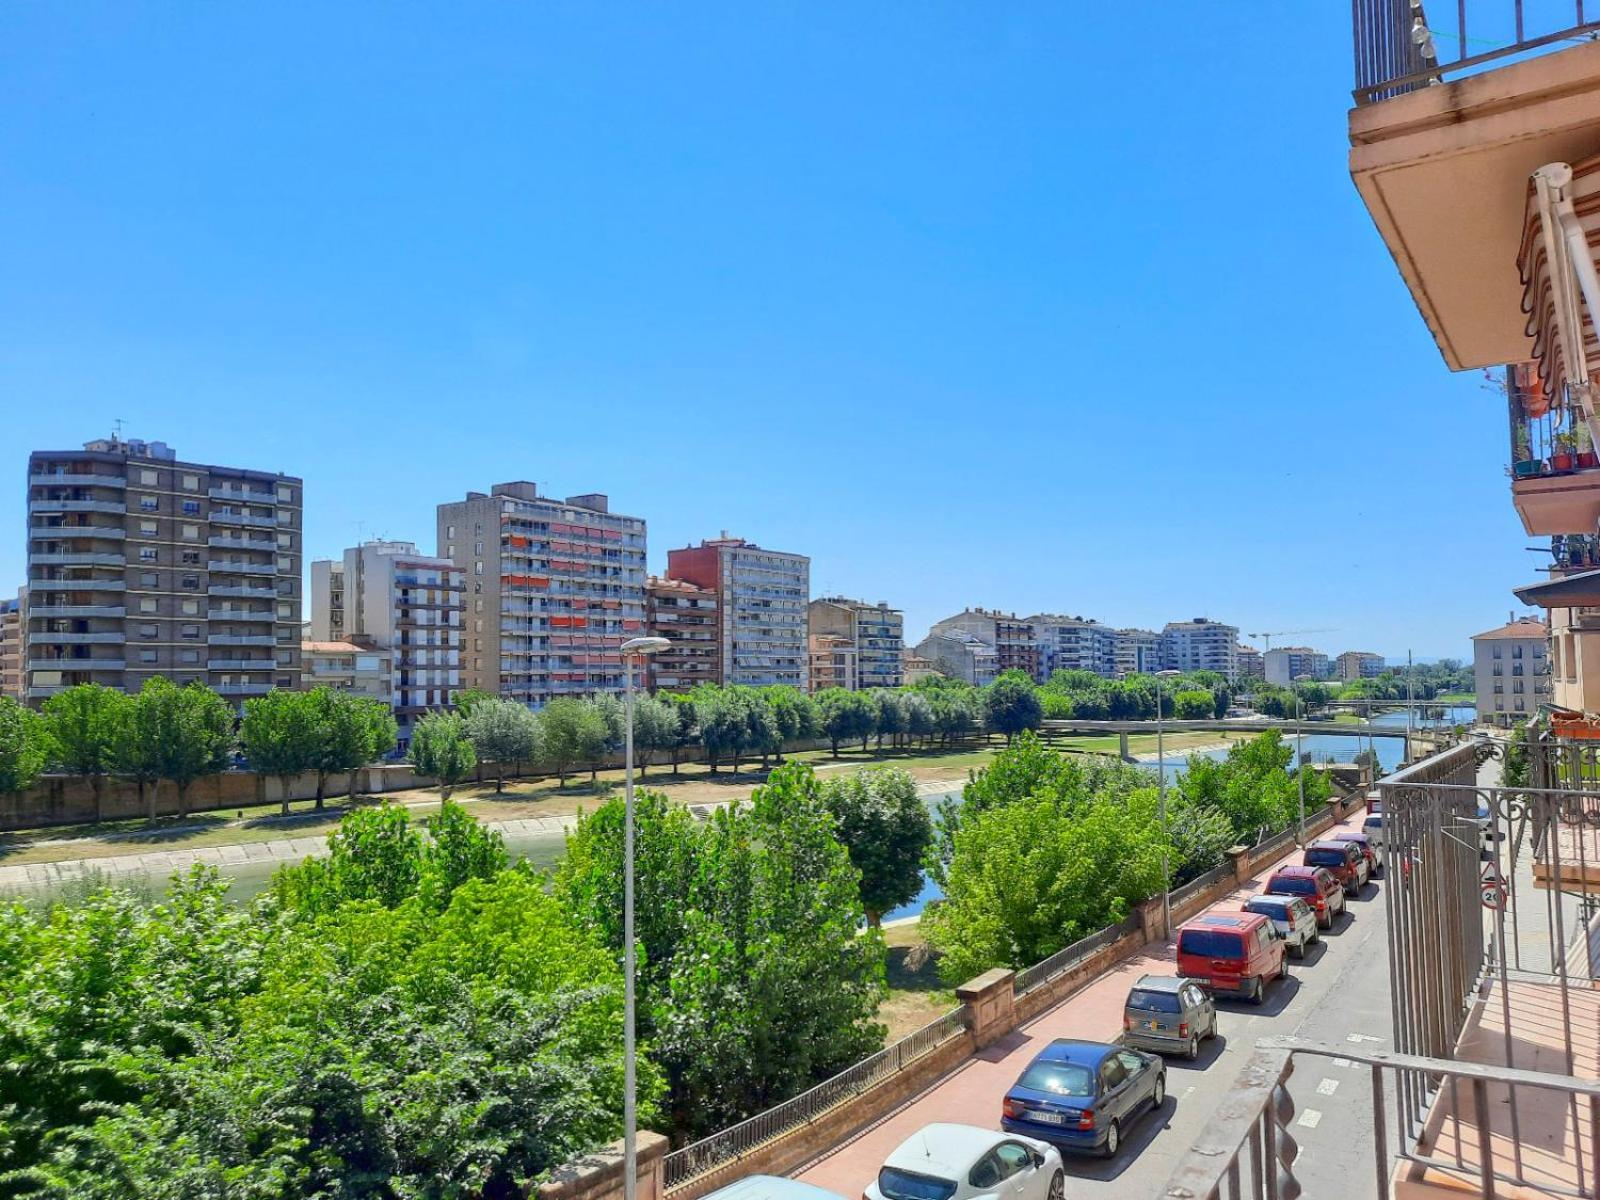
{"x": 243, "y": 591}
{"x": 46, "y": 504}
{"x": 77, "y": 479}
{"x": 224, "y": 567}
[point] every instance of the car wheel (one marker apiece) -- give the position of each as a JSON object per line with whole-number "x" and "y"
{"x": 1158, "y": 1094}
{"x": 1058, "y": 1187}
{"x": 1193, "y": 1051}
{"x": 1258, "y": 993}
{"x": 1113, "y": 1140}
{"x": 1299, "y": 948}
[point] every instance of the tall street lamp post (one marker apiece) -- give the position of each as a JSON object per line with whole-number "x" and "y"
{"x": 1161, "y": 792}
{"x": 1300, "y": 758}
{"x": 633, "y": 650}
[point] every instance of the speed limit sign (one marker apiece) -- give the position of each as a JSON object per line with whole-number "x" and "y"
{"x": 1493, "y": 890}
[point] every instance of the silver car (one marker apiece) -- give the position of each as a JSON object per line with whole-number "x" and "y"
{"x": 1291, "y": 917}
{"x": 1168, "y": 1014}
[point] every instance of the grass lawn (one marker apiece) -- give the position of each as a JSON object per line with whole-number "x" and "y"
{"x": 916, "y": 993}
{"x": 1457, "y": 698}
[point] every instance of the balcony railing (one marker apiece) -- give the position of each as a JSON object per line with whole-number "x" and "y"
{"x": 1400, "y": 46}
{"x": 77, "y": 585}
{"x": 113, "y": 507}
{"x": 77, "y": 479}
{"x": 223, "y": 567}
{"x": 47, "y": 611}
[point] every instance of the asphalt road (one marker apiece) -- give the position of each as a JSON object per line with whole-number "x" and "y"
{"x": 1339, "y": 995}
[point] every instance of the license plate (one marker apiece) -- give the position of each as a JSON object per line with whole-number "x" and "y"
{"x": 1152, "y": 1024}
{"x": 1200, "y": 981}
{"x": 1046, "y": 1118}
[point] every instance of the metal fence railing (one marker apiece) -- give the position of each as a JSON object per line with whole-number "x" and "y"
{"x": 1399, "y": 47}
{"x": 1068, "y": 957}
{"x": 1248, "y": 1149}
{"x": 731, "y": 1144}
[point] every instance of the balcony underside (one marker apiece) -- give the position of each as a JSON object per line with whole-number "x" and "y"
{"x": 1551, "y": 504}
{"x": 1444, "y": 172}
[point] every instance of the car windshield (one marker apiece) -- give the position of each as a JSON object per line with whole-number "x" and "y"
{"x": 1270, "y": 908}
{"x": 1296, "y": 885}
{"x": 904, "y": 1185}
{"x": 1165, "y": 1002}
{"x": 1063, "y": 1079}
{"x": 1325, "y": 858}
{"x": 1209, "y": 943}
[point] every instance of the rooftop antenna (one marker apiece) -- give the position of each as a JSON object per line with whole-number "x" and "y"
{"x": 361, "y": 528}
{"x": 117, "y": 435}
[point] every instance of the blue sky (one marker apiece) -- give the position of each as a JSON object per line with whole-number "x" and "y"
{"x": 1033, "y": 305}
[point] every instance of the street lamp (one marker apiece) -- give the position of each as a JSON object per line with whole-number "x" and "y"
{"x": 1300, "y": 758}
{"x": 633, "y": 648}
{"x": 1161, "y": 792}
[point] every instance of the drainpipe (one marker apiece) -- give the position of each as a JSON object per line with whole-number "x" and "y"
{"x": 1570, "y": 259}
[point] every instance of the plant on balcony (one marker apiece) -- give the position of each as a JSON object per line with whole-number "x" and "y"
{"x": 1583, "y": 445}
{"x": 1522, "y": 451}
{"x": 1563, "y": 454}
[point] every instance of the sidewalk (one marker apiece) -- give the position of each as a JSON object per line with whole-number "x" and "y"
{"x": 971, "y": 1094}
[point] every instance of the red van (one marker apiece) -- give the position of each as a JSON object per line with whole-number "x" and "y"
{"x": 1239, "y": 953}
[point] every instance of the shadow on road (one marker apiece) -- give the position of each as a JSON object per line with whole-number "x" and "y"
{"x": 1313, "y": 955}
{"x": 1278, "y": 996}
{"x": 1211, "y": 1049}
{"x": 1146, "y": 1128}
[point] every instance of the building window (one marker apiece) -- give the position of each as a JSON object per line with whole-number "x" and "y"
{"x": 284, "y": 541}
{"x": 285, "y": 493}
{"x": 286, "y": 681}
{"x": 147, "y": 656}
{"x": 190, "y": 582}
{"x": 191, "y": 532}
{"x": 285, "y": 564}
{"x": 147, "y": 631}
{"x": 191, "y": 483}
{"x": 284, "y": 517}
{"x": 149, "y": 579}
{"x": 189, "y": 558}
{"x": 149, "y": 503}
{"x": 148, "y": 554}
{"x": 147, "y": 477}
{"x": 286, "y": 658}
{"x": 286, "y": 611}
{"x": 147, "y": 604}
{"x": 190, "y": 608}
{"x": 189, "y": 633}
{"x": 191, "y": 508}
{"x": 147, "y": 528}
{"x": 189, "y": 656}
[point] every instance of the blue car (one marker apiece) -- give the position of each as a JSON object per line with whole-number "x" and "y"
{"x": 1084, "y": 1095}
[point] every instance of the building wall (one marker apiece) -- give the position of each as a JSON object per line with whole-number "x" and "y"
{"x": 833, "y": 662}
{"x": 1358, "y": 664}
{"x": 11, "y": 626}
{"x": 874, "y": 634}
{"x": 1512, "y": 674}
{"x": 1200, "y": 645}
{"x": 687, "y": 616}
{"x": 554, "y": 587}
{"x": 141, "y": 565}
{"x": 1137, "y": 652}
{"x": 763, "y": 597}
{"x": 1285, "y": 664}
{"x": 1248, "y": 663}
{"x": 1074, "y": 644}
{"x": 346, "y": 667}
{"x": 961, "y": 656}
{"x": 1013, "y": 638}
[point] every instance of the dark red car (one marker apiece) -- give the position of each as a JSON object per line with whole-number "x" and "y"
{"x": 1344, "y": 859}
{"x": 1367, "y": 848}
{"x": 1316, "y": 886}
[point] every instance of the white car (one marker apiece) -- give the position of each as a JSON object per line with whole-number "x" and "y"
{"x": 964, "y": 1162}
{"x": 771, "y": 1187}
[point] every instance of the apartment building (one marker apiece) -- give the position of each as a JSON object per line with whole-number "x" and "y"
{"x": 1286, "y": 664}
{"x": 143, "y": 565}
{"x": 1074, "y": 644}
{"x": 553, "y": 589}
{"x": 1013, "y": 638}
{"x": 1201, "y": 644}
{"x": 686, "y": 615}
{"x": 356, "y": 667}
{"x": 917, "y": 667}
{"x": 388, "y": 596}
{"x": 11, "y": 647}
{"x": 1511, "y": 669}
{"x": 1358, "y": 664}
{"x": 1137, "y": 652}
{"x": 762, "y": 598}
{"x": 961, "y": 655}
{"x": 1248, "y": 663}
{"x": 833, "y": 662}
{"x": 873, "y": 633}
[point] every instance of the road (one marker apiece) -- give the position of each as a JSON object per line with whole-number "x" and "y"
{"x": 1339, "y": 994}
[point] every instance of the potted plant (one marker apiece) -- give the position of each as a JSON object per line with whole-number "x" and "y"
{"x": 1583, "y": 446}
{"x": 1563, "y": 454}
{"x": 1524, "y": 462}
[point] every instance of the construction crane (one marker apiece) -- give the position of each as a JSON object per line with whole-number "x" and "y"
{"x": 1267, "y": 637}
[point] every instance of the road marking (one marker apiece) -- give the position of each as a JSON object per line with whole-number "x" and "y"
{"x": 1311, "y": 1118}
{"x": 1327, "y": 1087}
{"x": 1341, "y": 1062}
{"x": 1362, "y": 1037}
{"x": 1188, "y": 1089}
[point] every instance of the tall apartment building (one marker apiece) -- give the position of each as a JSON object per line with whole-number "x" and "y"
{"x": 1137, "y": 652}
{"x": 833, "y": 662}
{"x": 874, "y": 634}
{"x": 11, "y": 651}
{"x": 1285, "y": 664}
{"x": 1511, "y": 667}
{"x": 1358, "y": 664}
{"x": 961, "y": 655}
{"x": 389, "y": 596}
{"x": 686, "y": 615}
{"x": 141, "y": 565}
{"x": 1200, "y": 645}
{"x": 762, "y": 596}
{"x": 553, "y": 588}
{"x": 1248, "y": 663}
{"x": 1013, "y": 638}
{"x": 1074, "y": 644}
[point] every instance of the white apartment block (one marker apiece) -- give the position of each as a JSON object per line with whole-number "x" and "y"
{"x": 553, "y": 589}
{"x": 1511, "y": 668}
{"x": 1200, "y": 644}
{"x": 763, "y": 598}
{"x": 390, "y": 596}
{"x": 1074, "y": 644}
{"x": 1358, "y": 664}
{"x": 1286, "y": 664}
{"x": 874, "y": 641}
{"x": 1138, "y": 652}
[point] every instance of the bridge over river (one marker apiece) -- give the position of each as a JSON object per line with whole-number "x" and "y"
{"x": 1068, "y": 727}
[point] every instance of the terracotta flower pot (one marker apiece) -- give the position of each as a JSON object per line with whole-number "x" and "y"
{"x": 1561, "y": 460}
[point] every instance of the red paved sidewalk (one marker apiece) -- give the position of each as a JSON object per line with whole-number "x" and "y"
{"x": 971, "y": 1094}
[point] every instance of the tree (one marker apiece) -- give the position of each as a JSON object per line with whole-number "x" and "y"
{"x": 138, "y": 749}
{"x": 24, "y": 747}
{"x": 887, "y": 831}
{"x": 846, "y": 716}
{"x": 688, "y": 730}
{"x": 502, "y": 732}
{"x": 794, "y": 716}
{"x": 920, "y": 724}
{"x": 440, "y": 750}
{"x": 565, "y": 727}
{"x": 722, "y": 722}
{"x": 602, "y": 733}
{"x": 1193, "y": 705}
{"x": 890, "y": 717}
{"x": 84, "y": 724}
{"x": 1011, "y": 704}
{"x": 196, "y": 733}
{"x": 656, "y": 726}
{"x": 279, "y": 736}
{"x": 345, "y": 734}
{"x": 466, "y": 701}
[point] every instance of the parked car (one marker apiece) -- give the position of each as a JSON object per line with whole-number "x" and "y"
{"x": 963, "y": 1162}
{"x": 772, "y": 1187}
{"x": 1291, "y": 917}
{"x": 1083, "y": 1095}
{"x": 1237, "y": 953}
{"x": 1359, "y": 838}
{"x": 1373, "y": 828}
{"x": 1168, "y": 1014}
{"x": 1346, "y": 862}
{"x": 1315, "y": 885}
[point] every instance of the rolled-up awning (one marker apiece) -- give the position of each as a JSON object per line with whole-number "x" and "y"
{"x": 1581, "y": 589}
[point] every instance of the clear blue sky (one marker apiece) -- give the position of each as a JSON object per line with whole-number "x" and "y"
{"x": 1031, "y": 305}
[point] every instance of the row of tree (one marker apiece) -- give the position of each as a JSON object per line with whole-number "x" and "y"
{"x": 1194, "y": 696}
{"x": 413, "y": 1015}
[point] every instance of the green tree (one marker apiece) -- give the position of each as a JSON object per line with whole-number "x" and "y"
{"x": 25, "y": 747}
{"x": 722, "y": 722}
{"x": 196, "y": 733}
{"x": 602, "y": 733}
{"x": 1011, "y": 704}
{"x": 139, "y": 743}
{"x": 1193, "y": 705}
{"x": 565, "y": 728}
{"x": 890, "y": 718}
{"x": 503, "y": 733}
{"x": 656, "y": 727}
{"x": 84, "y": 724}
{"x": 846, "y": 716}
{"x": 279, "y": 736}
{"x": 794, "y": 716}
{"x": 469, "y": 699}
{"x": 887, "y": 831}
{"x": 920, "y": 725}
{"x": 440, "y": 750}
{"x": 1514, "y": 768}
{"x": 344, "y": 741}
{"x": 688, "y": 731}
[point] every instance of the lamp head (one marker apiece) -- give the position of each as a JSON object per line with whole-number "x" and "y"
{"x": 644, "y": 645}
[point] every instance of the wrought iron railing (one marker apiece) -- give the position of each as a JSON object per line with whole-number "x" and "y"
{"x": 1069, "y": 957}
{"x": 1401, "y": 46}
{"x": 1248, "y": 1150}
{"x": 731, "y": 1144}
